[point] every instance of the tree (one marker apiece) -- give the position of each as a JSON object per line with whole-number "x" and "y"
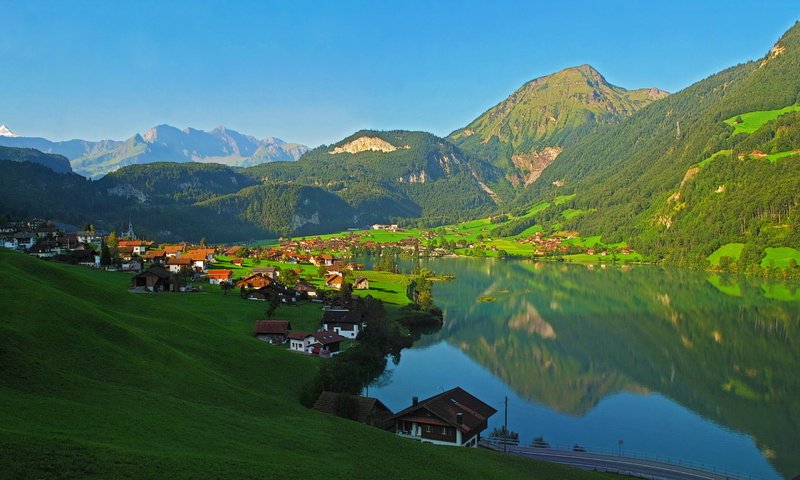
{"x": 203, "y": 241}
{"x": 226, "y": 286}
{"x": 113, "y": 246}
{"x": 322, "y": 271}
{"x": 289, "y": 277}
{"x": 105, "y": 255}
{"x": 273, "y": 302}
{"x": 87, "y": 227}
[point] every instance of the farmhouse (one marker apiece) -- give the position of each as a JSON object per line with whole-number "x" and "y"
{"x": 154, "y": 279}
{"x": 272, "y": 331}
{"x": 156, "y": 257}
{"x": 334, "y": 281}
{"x": 254, "y": 280}
{"x": 305, "y": 288}
{"x": 176, "y": 264}
{"x": 269, "y": 272}
{"x": 361, "y": 284}
{"x": 301, "y": 341}
{"x": 215, "y": 277}
{"x": 453, "y": 417}
{"x": 370, "y": 411}
{"x": 326, "y": 344}
{"x": 344, "y": 322}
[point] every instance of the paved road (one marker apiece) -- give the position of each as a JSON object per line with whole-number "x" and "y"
{"x": 622, "y": 465}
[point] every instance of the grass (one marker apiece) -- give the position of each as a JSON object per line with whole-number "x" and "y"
{"x": 713, "y": 156}
{"x": 752, "y": 121}
{"x": 780, "y": 257}
{"x": 732, "y": 250}
{"x": 96, "y": 382}
{"x": 777, "y": 156}
{"x": 562, "y": 199}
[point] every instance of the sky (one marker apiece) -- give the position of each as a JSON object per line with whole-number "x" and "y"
{"x": 315, "y": 72}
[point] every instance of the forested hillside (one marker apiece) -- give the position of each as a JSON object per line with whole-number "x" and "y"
{"x": 56, "y": 163}
{"x": 637, "y": 182}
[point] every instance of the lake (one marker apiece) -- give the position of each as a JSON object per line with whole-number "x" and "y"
{"x": 677, "y": 364}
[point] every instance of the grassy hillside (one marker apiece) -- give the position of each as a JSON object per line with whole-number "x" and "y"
{"x": 96, "y": 382}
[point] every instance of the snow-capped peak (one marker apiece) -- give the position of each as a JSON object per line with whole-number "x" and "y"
{"x": 5, "y": 132}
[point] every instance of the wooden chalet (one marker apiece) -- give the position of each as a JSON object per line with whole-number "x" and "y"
{"x": 269, "y": 272}
{"x": 254, "y": 280}
{"x": 334, "y": 281}
{"x": 370, "y": 411}
{"x": 326, "y": 344}
{"x": 305, "y": 289}
{"x": 453, "y": 418}
{"x": 361, "y": 283}
{"x": 155, "y": 279}
{"x": 172, "y": 250}
{"x": 286, "y": 295}
{"x": 156, "y": 257}
{"x": 232, "y": 251}
{"x": 176, "y": 264}
{"x": 272, "y": 331}
{"x": 342, "y": 321}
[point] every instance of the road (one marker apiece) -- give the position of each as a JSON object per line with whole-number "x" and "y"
{"x": 621, "y": 465}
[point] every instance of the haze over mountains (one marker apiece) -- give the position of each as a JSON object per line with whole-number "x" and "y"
{"x": 669, "y": 174}
{"x": 163, "y": 143}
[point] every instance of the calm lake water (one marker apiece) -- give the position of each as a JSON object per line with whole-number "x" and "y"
{"x": 674, "y": 363}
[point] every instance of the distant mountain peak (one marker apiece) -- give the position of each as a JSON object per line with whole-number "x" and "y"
{"x": 5, "y": 132}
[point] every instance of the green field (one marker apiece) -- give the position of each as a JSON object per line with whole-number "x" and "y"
{"x": 777, "y": 156}
{"x": 97, "y": 382}
{"x": 732, "y": 250}
{"x": 780, "y": 257}
{"x": 752, "y": 121}
{"x": 713, "y": 156}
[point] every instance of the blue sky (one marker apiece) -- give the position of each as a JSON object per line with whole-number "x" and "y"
{"x": 314, "y": 72}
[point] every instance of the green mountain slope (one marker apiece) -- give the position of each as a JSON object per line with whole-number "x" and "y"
{"x": 627, "y": 174}
{"x": 397, "y": 174}
{"x": 96, "y": 382}
{"x": 56, "y": 163}
{"x": 526, "y": 132}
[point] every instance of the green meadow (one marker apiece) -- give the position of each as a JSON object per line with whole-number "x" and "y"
{"x": 752, "y": 121}
{"x": 732, "y": 250}
{"x": 97, "y": 382}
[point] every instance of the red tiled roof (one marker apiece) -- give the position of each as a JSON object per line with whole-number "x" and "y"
{"x": 220, "y": 273}
{"x": 300, "y": 335}
{"x": 179, "y": 261}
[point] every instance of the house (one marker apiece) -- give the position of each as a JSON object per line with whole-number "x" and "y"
{"x": 305, "y": 288}
{"x": 301, "y": 341}
{"x": 344, "y": 322}
{"x": 254, "y": 280}
{"x": 89, "y": 237}
{"x": 237, "y": 261}
{"x": 172, "y": 250}
{"x": 215, "y": 277}
{"x": 326, "y": 344}
{"x": 132, "y": 265}
{"x": 156, "y": 257}
{"x": 286, "y": 295}
{"x": 453, "y": 417}
{"x": 370, "y": 411}
{"x": 325, "y": 259}
{"x": 176, "y": 264}
{"x": 138, "y": 247}
{"x": 154, "y": 279}
{"x": 334, "y": 281}
{"x": 24, "y": 240}
{"x": 272, "y": 331}
{"x": 125, "y": 253}
{"x": 199, "y": 258}
{"x": 232, "y": 251}
{"x": 269, "y": 272}
{"x": 361, "y": 283}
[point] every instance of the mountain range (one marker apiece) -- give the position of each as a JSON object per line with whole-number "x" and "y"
{"x": 675, "y": 176}
{"x": 163, "y": 143}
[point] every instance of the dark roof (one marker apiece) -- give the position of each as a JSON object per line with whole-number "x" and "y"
{"x": 326, "y": 337}
{"x": 271, "y": 327}
{"x": 300, "y": 335}
{"x": 366, "y": 405}
{"x": 158, "y": 271}
{"x": 340, "y": 316}
{"x": 448, "y": 404}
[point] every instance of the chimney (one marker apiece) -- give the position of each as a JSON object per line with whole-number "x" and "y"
{"x": 414, "y": 401}
{"x": 459, "y": 418}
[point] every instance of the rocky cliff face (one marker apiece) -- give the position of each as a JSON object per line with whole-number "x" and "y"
{"x": 364, "y": 144}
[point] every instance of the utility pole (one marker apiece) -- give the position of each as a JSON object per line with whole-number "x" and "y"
{"x": 505, "y": 428}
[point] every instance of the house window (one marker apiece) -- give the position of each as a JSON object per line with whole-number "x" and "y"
{"x": 444, "y": 430}
{"x": 428, "y": 429}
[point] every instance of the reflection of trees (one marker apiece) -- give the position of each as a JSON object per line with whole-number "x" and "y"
{"x": 567, "y": 337}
